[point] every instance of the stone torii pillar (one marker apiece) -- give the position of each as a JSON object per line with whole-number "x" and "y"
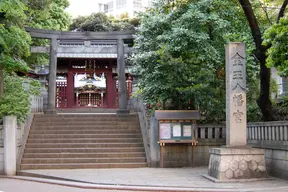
{"x": 236, "y": 160}
{"x": 52, "y": 77}
{"x": 122, "y": 86}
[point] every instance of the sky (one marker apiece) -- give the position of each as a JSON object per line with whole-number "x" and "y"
{"x": 82, "y": 7}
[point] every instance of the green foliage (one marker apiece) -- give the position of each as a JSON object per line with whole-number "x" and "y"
{"x": 282, "y": 109}
{"x": 12, "y": 12}
{"x": 277, "y": 37}
{"x": 14, "y": 41}
{"x": 16, "y": 100}
{"x": 180, "y": 55}
{"x": 46, "y": 14}
{"x": 102, "y": 22}
{"x": 35, "y": 87}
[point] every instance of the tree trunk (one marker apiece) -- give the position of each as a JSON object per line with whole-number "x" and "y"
{"x": 282, "y": 10}
{"x": 1, "y": 81}
{"x": 263, "y": 101}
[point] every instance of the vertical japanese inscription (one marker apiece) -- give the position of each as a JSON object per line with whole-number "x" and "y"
{"x": 236, "y": 94}
{"x": 238, "y": 78}
{"x": 238, "y": 85}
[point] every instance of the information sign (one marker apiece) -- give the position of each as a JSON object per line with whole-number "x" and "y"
{"x": 177, "y": 131}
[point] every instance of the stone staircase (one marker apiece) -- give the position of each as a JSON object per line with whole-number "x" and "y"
{"x": 84, "y": 141}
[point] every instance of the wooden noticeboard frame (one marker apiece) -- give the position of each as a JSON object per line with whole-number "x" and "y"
{"x": 177, "y": 127}
{"x": 176, "y": 131}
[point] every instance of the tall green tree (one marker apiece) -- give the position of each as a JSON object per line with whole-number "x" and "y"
{"x": 14, "y": 41}
{"x": 46, "y": 14}
{"x": 261, "y": 51}
{"x": 180, "y": 55}
{"x": 276, "y": 38}
{"x": 102, "y": 22}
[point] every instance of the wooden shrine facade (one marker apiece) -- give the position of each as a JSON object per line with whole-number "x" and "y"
{"x": 102, "y": 95}
{"x": 86, "y": 69}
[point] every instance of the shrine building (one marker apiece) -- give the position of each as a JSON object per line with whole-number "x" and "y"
{"x": 86, "y": 69}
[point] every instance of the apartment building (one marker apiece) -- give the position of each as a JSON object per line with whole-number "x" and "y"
{"x": 118, "y": 7}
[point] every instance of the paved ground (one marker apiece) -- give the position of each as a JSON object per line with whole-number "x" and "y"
{"x": 11, "y": 185}
{"x": 183, "y": 178}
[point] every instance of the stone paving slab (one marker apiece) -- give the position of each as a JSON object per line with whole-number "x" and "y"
{"x": 12, "y": 185}
{"x": 157, "y": 177}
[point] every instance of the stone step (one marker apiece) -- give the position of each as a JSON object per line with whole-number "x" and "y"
{"x": 82, "y": 160}
{"x": 71, "y": 115}
{"x": 86, "y": 116}
{"x": 84, "y": 140}
{"x": 72, "y": 128}
{"x": 89, "y": 118}
{"x": 82, "y": 145}
{"x": 84, "y": 150}
{"x": 82, "y": 166}
{"x": 87, "y": 110}
{"x": 86, "y": 119}
{"x": 85, "y": 131}
{"x": 84, "y": 136}
{"x": 86, "y": 123}
{"x": 74, "y": 141}
{"x": 85, "y": 155}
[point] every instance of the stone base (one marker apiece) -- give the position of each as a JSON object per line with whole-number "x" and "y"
{"x": 122, "y": 111}
{"x": 238, "y": 180}
{"x": 236, "y": 163}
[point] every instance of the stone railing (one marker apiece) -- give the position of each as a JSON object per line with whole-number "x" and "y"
{"x": 275, "y": 131}
{"x": 1, "y": 150}
{"x": 272, "y": 135}
{"x": 138, "y": 106}
{"x": 1, "y": 136}
{"x": 211, "y": 132}
{"x": 19, "y": 135}
{"x": 36, "y": 104}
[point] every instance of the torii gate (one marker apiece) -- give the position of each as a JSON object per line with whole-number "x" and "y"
{"x": 119, "y": 49}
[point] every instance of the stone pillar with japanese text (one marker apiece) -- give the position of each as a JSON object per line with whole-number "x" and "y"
{"x": 236, "y": 160}
{"x": 236, "y": 122}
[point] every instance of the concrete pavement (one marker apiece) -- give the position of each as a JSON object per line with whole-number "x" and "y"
{"x": 152, "y": 179}
{"x": 15, "y": 185}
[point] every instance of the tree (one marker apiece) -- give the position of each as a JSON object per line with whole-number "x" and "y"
{"x": 261, "y": 54}
{"x": 180, "y": 55}
{"x": 276, "y": 38}
{"x": 102, "y": 22}
{"x": 16, "y": 100}
{"x": 14, "y": 41}
{"x": 46, "y": 14}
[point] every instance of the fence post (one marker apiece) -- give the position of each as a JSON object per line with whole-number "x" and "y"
{"x": 10, "y": 146}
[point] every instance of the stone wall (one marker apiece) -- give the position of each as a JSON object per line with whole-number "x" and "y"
{"x": 273, "y": 137}
{"x": 182, "y": 155}
{"x": 277, "y": 162}
{"x": 1, "y": 151}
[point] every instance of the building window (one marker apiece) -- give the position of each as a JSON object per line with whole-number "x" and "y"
{"x": 120, "y": 3}
{"x": 108, "y": 7}
{"x": 138, "y": 4}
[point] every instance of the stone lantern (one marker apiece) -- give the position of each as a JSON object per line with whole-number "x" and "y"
{"x": 42, "y": 79}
